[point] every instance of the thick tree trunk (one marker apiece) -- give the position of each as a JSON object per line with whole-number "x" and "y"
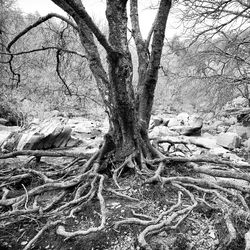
{"x": 123, "y": 115}
{"x": 129, "y": 115}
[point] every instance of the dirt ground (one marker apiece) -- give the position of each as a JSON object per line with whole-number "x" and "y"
{"x": 203, "y": 229}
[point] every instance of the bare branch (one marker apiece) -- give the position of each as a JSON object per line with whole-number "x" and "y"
{"x": 59, "y": 73}
{"x": 42, "y": 49}
{"x": 38, "y": 22}
{"x": 80, "y": 11}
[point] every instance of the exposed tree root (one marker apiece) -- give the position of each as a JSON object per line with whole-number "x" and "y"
{"x": 41, "y": 153}
{"x": 46, "y": 227}
{"x": 61, "y": 230}
{"x": 211, "y": 183}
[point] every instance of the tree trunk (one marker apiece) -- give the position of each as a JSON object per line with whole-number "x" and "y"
{"x": 123, "y": 116}
{"x": 129, "y": 114}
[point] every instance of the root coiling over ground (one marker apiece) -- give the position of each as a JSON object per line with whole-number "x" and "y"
{"x": 198, "y": 182}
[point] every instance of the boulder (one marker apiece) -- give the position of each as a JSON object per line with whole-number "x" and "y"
{"x": 216, "y": 124}
{"x": 243, "y": 132}
{"x": 239, "y": 102}
{"x": 173, "y": 121}
{"x": 218, "y": 150}
{"x": 3, "y": 137}
{"x": 195, "y": 126}
{"x": 247, "y": 144}
{"x": 231, "y": 120}
{"x": 183, "y": 118}
{"x": 161, "y": 131}
{"x": 52, "y": 133}
{"x": 222, "y": 129}
{"x": 228, "y": 140}
{"x": 207, "y": 135}
{"x": 205, "y": 142}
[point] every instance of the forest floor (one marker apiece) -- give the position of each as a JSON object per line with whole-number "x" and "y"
{"x": 203, "y": 229}
{"x": 191, "y": 199}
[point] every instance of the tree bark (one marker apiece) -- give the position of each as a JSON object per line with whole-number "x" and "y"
{"x": 129, "y": 115}
{"x": 123, "y": 114}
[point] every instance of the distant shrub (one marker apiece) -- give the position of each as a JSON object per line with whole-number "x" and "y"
{"x": 10, "y": 112}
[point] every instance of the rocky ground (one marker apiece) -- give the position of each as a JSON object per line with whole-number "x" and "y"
{"x": 197, "y": 197}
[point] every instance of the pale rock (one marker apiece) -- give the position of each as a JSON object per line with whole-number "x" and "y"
{"x": 183, "y": 118}
{"x": 160, "y": 131}
{"x": 165, "y": 146}
{"x": 198, "y": 151}
{"x": 228, "y": 140}
{"x": 173, "y": 121}
{"x": 182, "y": 148}
{"x": 81, "y": 125}
{"x": 217, "y": 123}
{"x": 231, "y": 120}
{"x": 222, "y": 129}
{"x": 239, "y": 102}
{"x": 178, "y": 153}
{"x": 247, "y": 144}
{"x": 233, "y": 157}
{"x": 207, "y": 135}
{"x": 3, "y": 136}
{"x": 243, "y": 132}
{"x": 54, "y": 113}
{"x": 219, "y": 151}
{"x": 105, "y": 125}
{"x": 204, "y": 142}
{"x": 195, "y": 121}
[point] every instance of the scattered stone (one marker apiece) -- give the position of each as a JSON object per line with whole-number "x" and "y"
{"x": 219, "y": 151}
{"x": 160, "y": 131}
{"x": 228, "y": 140}
{"x": 173, "y": 122}
{"x": 183, "y": 118}
{"x": 242, "y": 131}
{"x": 204, "y": 142}
{"x": 239, "y": 102}
{"x": 216, "y": 124}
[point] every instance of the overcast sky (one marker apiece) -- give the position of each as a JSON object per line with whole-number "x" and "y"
{"x": 96, "y": 9}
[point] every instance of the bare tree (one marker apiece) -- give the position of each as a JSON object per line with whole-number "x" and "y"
{"x": 127, "y": 143}
{"x": 129, "y": 111}
{"x": 217, "y": 48}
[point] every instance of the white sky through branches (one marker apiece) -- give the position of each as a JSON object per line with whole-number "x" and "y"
{"x": 96, "y": 9}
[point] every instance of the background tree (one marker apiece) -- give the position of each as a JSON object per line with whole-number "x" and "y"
{"x": 34, "y": 81}
{"x": 216, "y": 46}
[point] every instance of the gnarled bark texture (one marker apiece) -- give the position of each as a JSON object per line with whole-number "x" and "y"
{"x": 129, "y": 112}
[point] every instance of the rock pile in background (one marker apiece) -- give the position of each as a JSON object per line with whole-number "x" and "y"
{"x": 184, "y": 134}
{"x": 226, "y": 135}
{"x": 52, "y": 133}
